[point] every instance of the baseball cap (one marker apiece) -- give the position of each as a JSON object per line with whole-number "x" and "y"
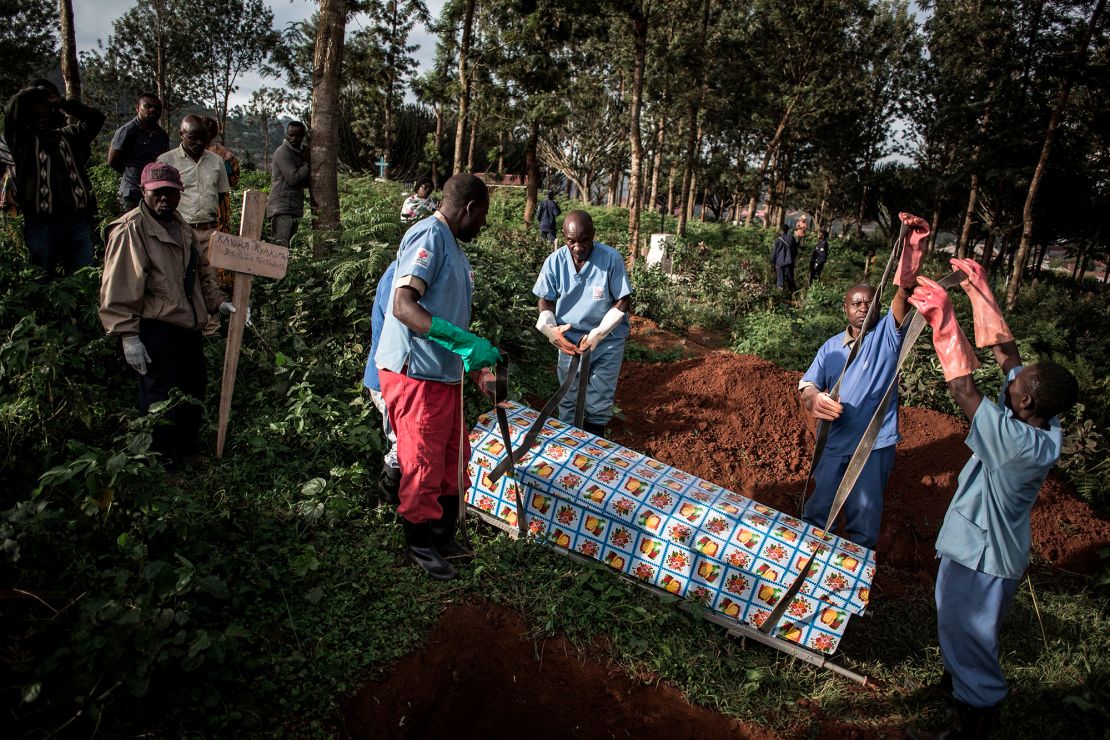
{"x": 158, "y": 175}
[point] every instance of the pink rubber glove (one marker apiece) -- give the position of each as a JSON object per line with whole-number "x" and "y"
{"x": 957, "y": 358}
{"x": 990, "y": 327}
{"x": 913, "y": 250}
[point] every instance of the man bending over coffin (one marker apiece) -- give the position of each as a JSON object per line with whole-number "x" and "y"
{"x": 423, "y": 351}
{"x": 861, "y": 391}
{"x": 584, "y": 302}
{"x": 983, "y": 544}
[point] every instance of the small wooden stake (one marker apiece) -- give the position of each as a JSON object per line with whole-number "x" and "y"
{"x": 250, "y": 229}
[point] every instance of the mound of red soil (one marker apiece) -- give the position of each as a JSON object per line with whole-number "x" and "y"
{"x": 737, "y": 421}
{"x": 480, "y": 676}
{"x": 697, "y": 342}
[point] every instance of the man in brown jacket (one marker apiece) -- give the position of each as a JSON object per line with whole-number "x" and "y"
{"x": 156, "y": 295}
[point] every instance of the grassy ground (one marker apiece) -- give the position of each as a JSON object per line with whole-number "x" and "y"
{"x": 252, "y": 596}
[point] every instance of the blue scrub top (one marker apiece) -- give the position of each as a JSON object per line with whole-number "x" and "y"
{"x": 428, "y": 251}
{"x": 987, "y": 524}
{"x": 582, "y": 298}
{"x": 377, "y": 321}
{"x": 864, "y": 384}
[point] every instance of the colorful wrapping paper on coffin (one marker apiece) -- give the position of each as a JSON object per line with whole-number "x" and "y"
{"x": 672, "y": 530}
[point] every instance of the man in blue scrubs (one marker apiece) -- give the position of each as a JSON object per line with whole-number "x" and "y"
{"x": 389, "y": 482}
{"x": 861, "y": 391}
{"x": 584, "y": 299}
{"x": 422, "y": 356}
{"x": 983, "y": 544}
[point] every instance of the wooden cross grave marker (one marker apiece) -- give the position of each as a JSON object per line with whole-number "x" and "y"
{"x": 245, "y": 255}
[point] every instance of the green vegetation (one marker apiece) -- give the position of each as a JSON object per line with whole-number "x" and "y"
{"x": 253, "y": 595}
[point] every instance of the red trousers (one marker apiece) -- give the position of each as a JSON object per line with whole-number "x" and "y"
{"x": 426, "y": 419}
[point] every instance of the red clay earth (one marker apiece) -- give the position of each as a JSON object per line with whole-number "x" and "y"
{"x": 734, "y": 420}
{"x": 481, "y": 676}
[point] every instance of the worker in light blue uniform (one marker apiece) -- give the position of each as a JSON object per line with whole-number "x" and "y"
{"x": 423, "y": 353}
{"x": 984, "y": 542}
{"x": 861, "y": 391}
{"x": 584, "y": 300}
{"x": 390, "y": 479}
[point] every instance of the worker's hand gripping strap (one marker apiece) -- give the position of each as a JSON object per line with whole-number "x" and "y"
{"x": 548, "y": 409}
{"x": 822, "y": 431}
{"x": 862, "y": 452}
{"x": 500, "y": 395}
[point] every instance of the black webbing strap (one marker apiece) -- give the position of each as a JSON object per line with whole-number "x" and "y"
{"x": 583, "y": 386}
{"x": 501, "y": 394}
{"x": 511, "y": 457}
{"x": 862, "y": 452}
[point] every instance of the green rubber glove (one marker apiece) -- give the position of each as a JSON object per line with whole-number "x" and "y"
{"x": 476, "y": 353}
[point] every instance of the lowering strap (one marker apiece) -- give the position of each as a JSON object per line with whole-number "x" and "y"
{"x": 862, "y": 452}
{"x": 579, "y": 367}
{"x": 822, "y": 431}
{"x": 501, "y": 394}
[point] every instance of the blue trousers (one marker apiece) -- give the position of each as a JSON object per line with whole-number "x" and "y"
{"x": 53, "y": 242}
{"x": 971, "y": 607}
{"x": 863, "y": 509}
{"x": 601, "y": 388}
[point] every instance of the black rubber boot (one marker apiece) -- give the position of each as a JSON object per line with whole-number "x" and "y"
{"x": 443, "y": 531}
{"x": 598, "y": 429}
{"x": 972, "y": 723}
{"x": 944, "y": 686}
{"x": 421, "y": 552}
{"x": 389, "y": 485}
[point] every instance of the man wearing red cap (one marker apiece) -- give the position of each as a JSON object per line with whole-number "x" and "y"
{"x": 156, "y": 295}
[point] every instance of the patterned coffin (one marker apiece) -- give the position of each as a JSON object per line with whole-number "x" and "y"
{"x": 670, "y": 529}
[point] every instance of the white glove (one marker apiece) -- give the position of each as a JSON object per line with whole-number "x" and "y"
{"x": 135, "y": 353}
{"x": 596, "y": 336}
{"x": 554, "y": 333}
{"x": 227, "y": 308}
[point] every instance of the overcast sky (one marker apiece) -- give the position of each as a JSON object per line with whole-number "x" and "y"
{"x": 93, "y": 22}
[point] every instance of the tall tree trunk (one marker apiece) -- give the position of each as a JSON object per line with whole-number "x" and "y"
{"x": 771, "y": 146}
{"x": 611, "y": 198}
{"x": 704, "y": 201}
{"x": 692, "y": 123}
{"x": 1080, "y": 258}
{"x": 1042, "y": 162}
{"x": 657, "y": 160}
{"x": 464, "y": 83}
{"x": 988, "y": 250}
{"x": 532, "y": 162}
{"x": 70, "y": 72}
{"x": 862, "y": 209}
{"x": 326, "y": 68}
{"x": 969, "y": 213}
{"x": 500, "y": 154}
{"x": 689, "y": 209}
{"x": 688, "y": 163}
{"x": 266, "y": 155}
{"x": 639, "y": 45}
{"x": 670, "y": 192}
{"x": 437, "y": 139}
{"x": 973, "y": 189}
{"x": 470, "y": 146}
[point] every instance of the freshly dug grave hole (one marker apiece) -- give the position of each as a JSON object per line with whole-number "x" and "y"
{"x": 481, "y": 675}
